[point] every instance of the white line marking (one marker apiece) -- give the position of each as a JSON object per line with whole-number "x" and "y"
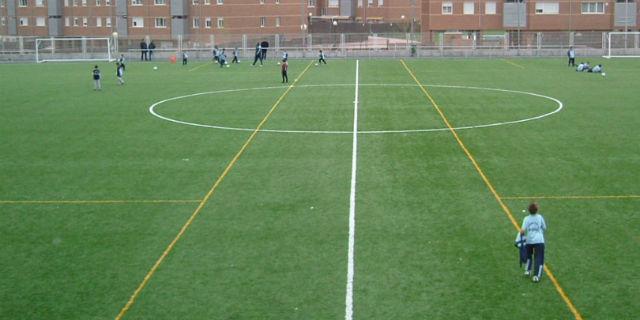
{"x": 352, "y": 207}
{"x": 558, "y": 109}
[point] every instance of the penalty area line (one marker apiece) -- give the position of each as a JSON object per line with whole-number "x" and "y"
{"x": 204, "y": 201}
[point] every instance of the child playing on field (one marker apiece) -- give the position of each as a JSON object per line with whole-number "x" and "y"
{"x": 120, "y": 72}
{"x": 96, "y": 78}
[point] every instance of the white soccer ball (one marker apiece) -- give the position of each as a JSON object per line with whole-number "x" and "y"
{"x": 228, "y": 66}
{"x": 316, "y": 64}
{"x": 155, "y": 68}
{"x": 604, "y": 74}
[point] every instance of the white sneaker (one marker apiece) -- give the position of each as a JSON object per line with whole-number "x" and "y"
{"x": 527, "y": 273}
{"x": 536, "y": 279}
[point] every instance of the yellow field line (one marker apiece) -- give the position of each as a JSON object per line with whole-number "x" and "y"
{"x": 489, "y": 185}
{"x": 629, "y": 196}
{"x": 513, "y": 63}
{"x": 94, "y": 201}
{"x": 200, "y": 66}
{"x": 195, "y": 213}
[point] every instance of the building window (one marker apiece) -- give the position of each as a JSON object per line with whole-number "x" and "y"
{"x": 137, "y": 22}
{"x": 107, "y": 2}
{"x": 22, "y": 3}
{"x": 490, "y": 7}
{"x": 2, "y": 5}
{"x": 159, "y": 2}
{"x": 207, "y": 23}
{"x": 76, "y": 22}
{"x": 135, "y": 2}
{"x": 277, "y": 21}
{"x": 220, "y": 23}
{"x": 107, "y": 22}
{"x": 84, "y": 3}
{"x": 66, "y": 3}
{"x": 380, "y": 3}
{"x": 98, "y": 22}
{"x": 75, "y": 3}
{"x": 370, "y": 3}
{"x": 66, "y": 22}
{"x": 593, "y": 7}
{"x": 263, "y": 22}
{"x": 468, "y": 8}
{"x": 277, "y": 1}
{"x": 85, "y": 21}
{"x": 24, "y": 21}
{"x": 219, "y": 2}
{"x": 3, "y": 21}
{"x": 359, "y": 3}
{"x": 207, "y": 2}
{"x": 39, "y": 3}
{"x": 333, "y": 3}
{"x": 447, "y": 8}
{"x": 40, "y": 22}
{"x": 311, "y": 3}
{"x": 196, "y": 23}
{"x": 195, "y": 2}
{"x": 161, "y": 22}
{"x": 261, "y": 1}
{"x": 98, "y": 3}
{"x": 547, "y": 8}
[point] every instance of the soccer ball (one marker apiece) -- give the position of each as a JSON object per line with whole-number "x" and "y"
{"x": 228, "y": 66}
{"x": 155, "y": 68}
{"x": 604, "y": 74}
{"x": 316, "y": 64}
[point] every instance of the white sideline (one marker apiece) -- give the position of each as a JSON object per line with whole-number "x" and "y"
{"x": 352, "y": 208}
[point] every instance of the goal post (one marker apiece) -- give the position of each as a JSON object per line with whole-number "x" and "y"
{"x": 623, "y": 44}
{"x": 73, "y": 49}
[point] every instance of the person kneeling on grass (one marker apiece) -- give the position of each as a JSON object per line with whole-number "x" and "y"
{"x": 533, "y": 228}
{"x": 596, "y": 69}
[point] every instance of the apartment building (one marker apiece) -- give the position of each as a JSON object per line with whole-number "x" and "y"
{"x": 169, "y": 19}
{"x": 543, "y": 15}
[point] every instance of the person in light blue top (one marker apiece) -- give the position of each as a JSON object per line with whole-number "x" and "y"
{"x": 534, "y": 227}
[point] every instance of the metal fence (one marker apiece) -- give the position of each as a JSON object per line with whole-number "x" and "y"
{"x": 342, "y": 45}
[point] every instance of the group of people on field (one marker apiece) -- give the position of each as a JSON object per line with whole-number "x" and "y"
{"x": 146, "y": 50}
{"x": 582, "y": 66}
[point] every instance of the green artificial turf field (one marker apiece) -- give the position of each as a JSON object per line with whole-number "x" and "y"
{"x": 245, "y": 224}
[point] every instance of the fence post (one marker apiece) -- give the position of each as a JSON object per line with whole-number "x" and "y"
{"x": 53, "y": 45}
{"x": 572, "y": 38}
{"x": 244, "y": 45}
{"x": 441, "y": 43}
{"x": 342, "y": 44}
{"x": 277, "y": 40}
{"x": 539, "y": 40}
{"x": 21, "y": 44}
{"x": 310, "y": 42}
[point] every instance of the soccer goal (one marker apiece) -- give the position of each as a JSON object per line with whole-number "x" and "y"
{"x": 73, "y": 49}
{"x": 623, "y": 45}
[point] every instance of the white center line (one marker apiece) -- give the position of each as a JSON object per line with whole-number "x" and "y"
{"x": 352, "y": 208}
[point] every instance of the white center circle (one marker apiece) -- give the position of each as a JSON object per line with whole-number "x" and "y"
{"x": 558, "y": 109}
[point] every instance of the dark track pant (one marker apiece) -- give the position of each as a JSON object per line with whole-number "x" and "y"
{"x": 285, "y": 78}
{"x": 535, "y": 251}
{"x": 258, "y": 57}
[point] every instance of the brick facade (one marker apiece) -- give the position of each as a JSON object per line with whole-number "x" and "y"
{"x": 156, "y": 18}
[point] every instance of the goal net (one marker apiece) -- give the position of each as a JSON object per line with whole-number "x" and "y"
{"x": 73, "y": 49}
{"x": 623, "y": 45}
